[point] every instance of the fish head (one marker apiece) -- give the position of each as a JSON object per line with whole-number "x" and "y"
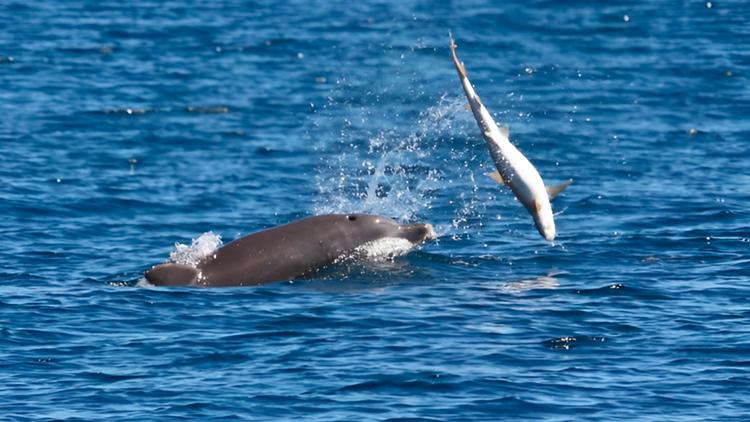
{"x": 544, "y": 219}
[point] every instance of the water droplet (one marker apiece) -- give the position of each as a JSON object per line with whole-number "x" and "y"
{"x": 626, "y": 18}
{"x": 709, "y": 5}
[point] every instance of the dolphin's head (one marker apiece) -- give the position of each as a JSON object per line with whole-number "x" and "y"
{"x": 375, "y": 227}
{"x": 544, "y": 220}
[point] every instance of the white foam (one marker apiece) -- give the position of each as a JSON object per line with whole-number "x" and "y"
{"x": 200, "y": 247}
{"x": 380, "y": 250}
{"x": 522, "y": 286}
{"x": 144, "y": 284}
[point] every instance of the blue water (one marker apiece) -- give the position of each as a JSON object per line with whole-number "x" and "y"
{"x": 126, "y": 127}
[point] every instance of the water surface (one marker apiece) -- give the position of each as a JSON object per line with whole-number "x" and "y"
{"x": 128, "y": 127}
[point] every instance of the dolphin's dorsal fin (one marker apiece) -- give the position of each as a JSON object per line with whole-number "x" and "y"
{"x": 553, "y": 191}
{"x": 495, "y": 175}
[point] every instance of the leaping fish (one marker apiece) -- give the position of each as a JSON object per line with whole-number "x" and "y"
{"x": 513, "y": 168}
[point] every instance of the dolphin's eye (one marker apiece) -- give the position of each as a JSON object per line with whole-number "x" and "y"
{"x": 351, "y": 217}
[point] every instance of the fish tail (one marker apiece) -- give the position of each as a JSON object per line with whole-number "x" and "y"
{"x": 459, "y": 65}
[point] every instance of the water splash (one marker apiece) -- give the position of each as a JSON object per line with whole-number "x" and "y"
{"x": 384, "y": 249}
{"x": 406, "y": 175}
{"x": 200, "y": 247}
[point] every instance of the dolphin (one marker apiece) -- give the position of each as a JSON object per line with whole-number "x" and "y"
{"x": 289, "y": 251}
{"x": 513, "y": 168}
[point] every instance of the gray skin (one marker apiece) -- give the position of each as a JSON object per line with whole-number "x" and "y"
{"x": 286, "y": 252}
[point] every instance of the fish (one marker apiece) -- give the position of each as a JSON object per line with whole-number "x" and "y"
{"x": 513, "y": 168}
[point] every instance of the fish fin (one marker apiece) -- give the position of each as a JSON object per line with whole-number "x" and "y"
{"x": 495, "y": 175}
{"x": 467, "y": 106}
{"x": 504, "y": 131}
{"x": 171, "y": 274}
{"x": 553, "y": 191}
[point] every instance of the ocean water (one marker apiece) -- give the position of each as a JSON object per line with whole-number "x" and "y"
{"x": 128, "y": 127}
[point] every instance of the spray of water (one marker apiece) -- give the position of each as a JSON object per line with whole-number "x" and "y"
{"x": 428, "y": 171}
{"x": 200, "y": 247}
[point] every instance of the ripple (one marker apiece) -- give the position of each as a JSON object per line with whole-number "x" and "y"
{"x": 567, "y": 343}
{"x": 207, "y": 109}
{"x": 130, "y": 111}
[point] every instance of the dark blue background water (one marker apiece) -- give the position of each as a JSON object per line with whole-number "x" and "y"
{"x": 244, "y": 115}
